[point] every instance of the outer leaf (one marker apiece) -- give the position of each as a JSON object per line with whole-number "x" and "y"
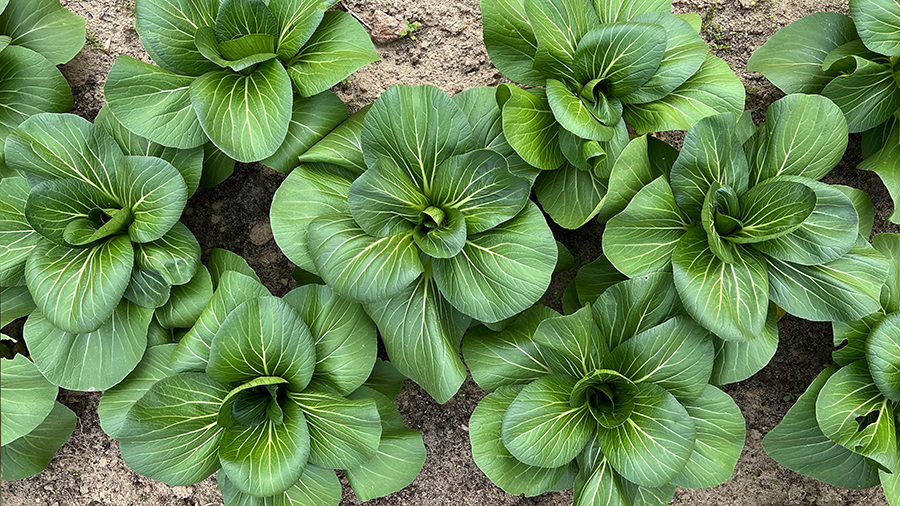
{"x": 655, "y": 444}
{"x": 312, "y": 119}
{"x": 676, "y": 355}
{"x": 343, "y": 433}
{"x": 339, "y": 47}
{"x": 359, "y": 266}
{"x": 262, "y": 337}
{"x": 567, "y": 345}
{"x": 867, "y": 97}
{"x": 297, "y": 20}
{"x": 844, "y": 289}
{"x": 17, "y": 236}
{"x": 851, "y": 394}
{"x": 316, "y": 487}
{"x": 828, "y": 233}
{"x": 188, "y": 162}
{"x": 714, "y": 89}
{"x": 876, "y": 21}
{"x": 510, "y": 356}
{"x": 510, "y": 40}
{"x": 684, "y": 54}
{"x": 171, "y": 433}
{"x": 269, "y": 458}
{"x": 186, "y": 302}
{"x": 64, "y": 146}
{"x": 731, "y": 300}
{"x": 116, "y": 401}
{"x": 492, "y": 457}
{"x": 29, "y": 85}
{"x": 153, "y": 102}
{"x": 530, "y": 126}
{"x": 883, "y": 354}
{"x": 418, "y": 127}
{"x": 572, "y": 197}
{"x": 641, "y": 238}
{"x": 167, "y": 31}
{"x": 421, "y": 333}
{"x": 595, "y": 278}
{"x": 90, "y": 361}
{"x": 401, "y": 453}
{"x": 501, "y": 272}
{"x": 738, "y": 360}
{"x": 720, "y": 434}
{"x": 889, "y": 246}
{"x": 310, "y": 191}
{"x": 791, "y": 148}
{"x": 31, "y": 453}
{"x": 343, "y": 146}
{"x": 611, "y": 11}
{"x": 558, "y": 26}
{"x": 631, "y": 307}
{"x": 247, "y": 117}
{"x": 17, "y": 302}
{"x": 77, "y": 289}
{"x": 222, "y": 261}
{"x": 541, "y": 429}
{"x": 237, "y": 18}
{"x": 799, "y": 444}
{"x": 27, "y": 398}
{"x": 44, "y": 27}
{"x": 345, "y": 337}
{"x": 884, "y": 162}
{"x": 792, "y": 58}
{"x": 192, "y": 353}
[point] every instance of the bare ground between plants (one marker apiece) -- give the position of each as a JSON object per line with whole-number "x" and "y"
{"x": 448, "y": 52}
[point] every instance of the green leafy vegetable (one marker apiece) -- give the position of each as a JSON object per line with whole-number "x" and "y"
{"x": 95, "y": 238}
{"x": 275, "y": 393}
{"x": 843, "y": 429}
{"x": 620, "y": 390}
{"x": 425, "y": 218}
{"x": 249, "y": 77}
{"x": 850, "y": 61}
{"x": 742, "y": 222}
{"x": 33, "y": 426}
{"x": 599, "y": 64}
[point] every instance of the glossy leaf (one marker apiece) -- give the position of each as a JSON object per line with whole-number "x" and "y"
{"x": 343, "y": 433}
{"x": 27, "y": 398}
{"x": 31, "y": 453}
{"x": 116, "y": 401}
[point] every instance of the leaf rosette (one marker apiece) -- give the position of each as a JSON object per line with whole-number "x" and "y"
{"x": 852, "y": 61}
{"x": 274, "y": 392}
{"x": 741, "y": 219}
{"x": 598, "y": 64}
{"x": 249, "y": 76}
{"x": 33, "y": 425}
{"x": 35, "y": 37}
{"x": 96, "y": 242}
{"x": 419, "y": 212}
{"x": 843, "y": 429}
{"x": 613, "y": 399}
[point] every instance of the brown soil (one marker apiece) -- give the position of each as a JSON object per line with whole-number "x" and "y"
{"x": 448, "y": 51}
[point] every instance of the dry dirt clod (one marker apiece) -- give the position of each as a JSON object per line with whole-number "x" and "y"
{"x": 387, "y": 28}
{"x": 261, "y": 234}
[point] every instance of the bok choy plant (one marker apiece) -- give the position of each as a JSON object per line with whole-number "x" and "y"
{"x": 741, "y": 219}
{"x": 595, "y": 66}
{"x": 98, "y": 243}
{"x": 243, "y": 74}
{"x": 274, "y": 394}
{"x": 613, "y": 399}
{"x": 35, "y": 37}
{"x": 852, "y": 61}
{"x": 33, "y": 425}
{"x": 414, "y": 208}
{"x": 843, "y": 431}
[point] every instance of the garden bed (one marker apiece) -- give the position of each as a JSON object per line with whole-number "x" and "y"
{"x": 448, "y": 51}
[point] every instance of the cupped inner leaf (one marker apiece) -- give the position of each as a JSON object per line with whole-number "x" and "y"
{"x": 608, "y": 394}
{"x": 237, "y": 18}
{"x": 254, "y": 402}
{"x": 100, "y": 223}
{"x": 440, "y": 234}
